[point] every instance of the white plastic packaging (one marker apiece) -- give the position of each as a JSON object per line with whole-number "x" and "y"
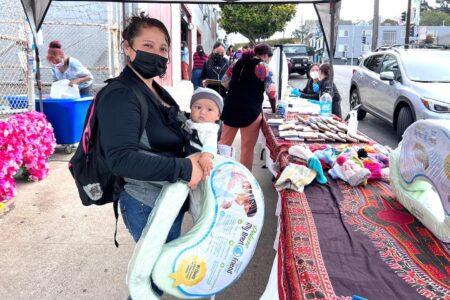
{"x": 62, "y": 89}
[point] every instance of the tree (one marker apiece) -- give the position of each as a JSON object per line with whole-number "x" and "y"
{"x": 256, "y": 22}
{"x": 429, "y": 39}
{"x": 434, "y": 18}
{"x": 389, "y": 22}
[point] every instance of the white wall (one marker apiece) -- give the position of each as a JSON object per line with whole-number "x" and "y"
{"x": 175, "y": 34}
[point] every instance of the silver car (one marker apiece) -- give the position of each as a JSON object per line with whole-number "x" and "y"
{"x": 402, "y": 86}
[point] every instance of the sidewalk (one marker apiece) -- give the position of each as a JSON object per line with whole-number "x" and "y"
{"x": 52, "y": 247}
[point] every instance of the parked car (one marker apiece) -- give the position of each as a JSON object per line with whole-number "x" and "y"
{"x": 298, "y": 59}
{"x": 402, "y": 86}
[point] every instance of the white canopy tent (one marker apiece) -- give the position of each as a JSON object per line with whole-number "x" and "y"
{"x": 327, "y": 13}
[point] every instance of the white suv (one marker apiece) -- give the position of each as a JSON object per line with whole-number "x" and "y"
{"x": 402, "y": 86}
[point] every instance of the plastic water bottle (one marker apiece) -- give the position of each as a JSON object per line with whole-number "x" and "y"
{"x": 281, "y": 109}
{"x": 325, "y": 105}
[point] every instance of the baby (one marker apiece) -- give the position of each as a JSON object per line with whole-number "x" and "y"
{"x": 206, "y": 108}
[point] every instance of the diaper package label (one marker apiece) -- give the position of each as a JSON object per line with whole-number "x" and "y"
{"x": 425, "y": 154}
{"x": 220, "y": 256}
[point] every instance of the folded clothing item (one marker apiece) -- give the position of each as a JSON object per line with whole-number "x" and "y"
{"x": 314, "y": 164}
{"x": 295, "y": 177}
{"x": 354, "y": 174}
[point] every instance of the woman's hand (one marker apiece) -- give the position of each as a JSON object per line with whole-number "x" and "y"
{"x": 206, "y": 163}
{"x": 73, "y": 81}
{"x": 197, "y": 173}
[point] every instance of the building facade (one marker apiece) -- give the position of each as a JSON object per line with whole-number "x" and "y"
{"x": 354, "y": 41}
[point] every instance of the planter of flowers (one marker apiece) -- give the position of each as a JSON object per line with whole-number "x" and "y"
{"x": 26, "y": 142}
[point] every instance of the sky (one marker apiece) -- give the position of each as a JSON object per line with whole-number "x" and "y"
{"x": 350, "y": 10}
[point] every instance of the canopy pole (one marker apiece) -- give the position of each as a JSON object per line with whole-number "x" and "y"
{"x": 280, "y": 73}
{"x": 332, "y": 42}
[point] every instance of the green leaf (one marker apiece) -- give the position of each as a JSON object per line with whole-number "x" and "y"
{"x": 256, "y": 22}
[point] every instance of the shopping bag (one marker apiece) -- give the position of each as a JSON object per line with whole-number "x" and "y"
{"x": 62, "y": 89}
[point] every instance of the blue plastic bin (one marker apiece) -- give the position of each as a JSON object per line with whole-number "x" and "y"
{"x": 17, "y": 101}
{"x": 66, "y": 116}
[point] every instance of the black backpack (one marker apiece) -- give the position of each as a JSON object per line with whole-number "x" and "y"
{"x": 96, "y": 184}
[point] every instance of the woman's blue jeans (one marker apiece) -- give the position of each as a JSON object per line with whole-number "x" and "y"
{"x": 135, "y": 215}
{"x": 196, "y": 80}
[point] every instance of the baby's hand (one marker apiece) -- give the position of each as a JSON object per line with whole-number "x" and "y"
{"x": 206, "y": 162}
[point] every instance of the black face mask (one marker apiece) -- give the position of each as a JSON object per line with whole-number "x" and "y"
{"x": 217, "y": 58}
{"x": 149, "y": 65}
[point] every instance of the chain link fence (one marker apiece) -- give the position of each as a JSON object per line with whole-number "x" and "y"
{"x": 14, "y": 51}
{"x": 88, "y": 31}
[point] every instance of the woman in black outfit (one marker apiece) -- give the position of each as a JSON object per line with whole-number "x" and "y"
{"x": 215, "y": 67}
{"x": 156, "y": 152}
{"x": 325, "y": 87}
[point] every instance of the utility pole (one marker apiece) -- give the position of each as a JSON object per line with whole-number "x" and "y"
{"x": 376, "y": 18}
{"x": 408, "y": 23}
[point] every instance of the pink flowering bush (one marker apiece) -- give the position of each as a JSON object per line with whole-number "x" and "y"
{"x": 26, "y": 141}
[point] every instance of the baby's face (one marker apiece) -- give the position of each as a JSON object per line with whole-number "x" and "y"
{"x": 205, "y": 111}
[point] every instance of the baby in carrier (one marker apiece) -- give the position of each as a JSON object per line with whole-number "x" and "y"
{"x": 206, "y": 107}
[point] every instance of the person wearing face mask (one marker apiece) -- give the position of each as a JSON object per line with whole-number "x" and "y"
{"x": 156, "y": 153}
{"x": 215, "y": 67}
{"x": 65, "y": 67}
{"x": 311, "y": 90}
{"x": 325, "y": 87}
{"x": 247, "y": 80}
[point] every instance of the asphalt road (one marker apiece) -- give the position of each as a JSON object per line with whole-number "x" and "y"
{"x": 377, "y": 129}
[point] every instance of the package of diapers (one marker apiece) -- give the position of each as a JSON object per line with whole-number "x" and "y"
{"x": 215, "y": 251}
{"x": 420, "y": 174}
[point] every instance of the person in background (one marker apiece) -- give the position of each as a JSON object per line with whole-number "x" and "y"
{"x": 65, "y": 67}
{"x": 199, "y": 58}
{"x": 325, "y": 87}
{"x": 215, "y": 67}
{"x": 230, "y": 53}
{"x": 311, "y": 90}
{"x": 146, "y": 156}
{"x": 247, "y": 80}
{"x": 184, "y": 61}
{"x": 239, "y": 52}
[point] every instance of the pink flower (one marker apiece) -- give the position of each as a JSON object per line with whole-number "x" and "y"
{"x": 25, "y": 140}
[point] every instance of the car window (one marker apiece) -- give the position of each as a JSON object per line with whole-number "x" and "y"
{"x": 435, "y": 68}
{"x": 367, "y": 61}
{"x": 374, "y": 63}
{"x": 390, "y": 64}
{"x": 295, "y": 50}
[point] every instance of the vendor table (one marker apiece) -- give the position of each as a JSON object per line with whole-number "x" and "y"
{"x": 336, "y": 241}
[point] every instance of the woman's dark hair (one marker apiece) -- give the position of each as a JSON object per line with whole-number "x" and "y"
{"x": 143, "y": 20}
{"x": 54, "y": 49}
{"x": 325, "y": 69}
{"x": 262, "y": 49}
{"x": 200, "y": 50}
{"x": 55, "y": 44}
{"x": 217, "y": 45}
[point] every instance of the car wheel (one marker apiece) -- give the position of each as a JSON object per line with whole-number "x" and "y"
{"x": 404, "y": 119}
{"x": 355, "y": 100}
